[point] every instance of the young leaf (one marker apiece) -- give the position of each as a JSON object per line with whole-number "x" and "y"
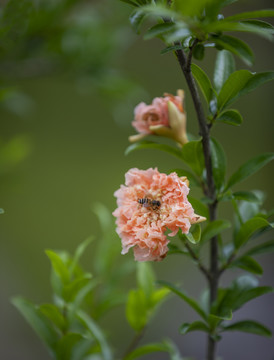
{"x": 96, "y": 332}
{"x": 78, "y": 253}
{"x": 249, "y": 264}
{"x": 249, "y": 168}
{"x": 195, "y": 326}
{"x": 192, "y": 154}
{"x": 233, "y": 85}
{"x": 147, "y": 349}
{"x": 191, "y": 302}
{"x": 251, "y": 15}
{"x": 52, "y": 312}
{"x": 214, "y": 228}
{"x": 248, "y": 229}
{"x": 58, "y": 266}
{"x": 145, "y": 278}
{"x": 235, "y": 46}
{"x": 37, "y": 320}
{"x": 66, "y": 345}
{"x": 249, "y": 326}
{"x": 218, "y": 163}
{"x": 136, "y": 19}
{"x": 231, "y": 117}
{"x": 136, "y": 310}
{"x": 224, "y": 67}
{"x": 152, "y": 145}
{"x": 246, "y": 196}
{"x": 203, "y": 81}
{"x": 199, "y": 52}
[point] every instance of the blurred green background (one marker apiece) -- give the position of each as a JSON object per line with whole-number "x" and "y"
{"x": 69, "y": 82}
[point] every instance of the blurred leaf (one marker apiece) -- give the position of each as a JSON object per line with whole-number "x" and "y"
{"x": 199, "y": 207}
{"x": 191, "y": 177}
{"x": 249, "y": 264}
{"x": 255, "y": 81}
{"x": 194, "y": 235}
{"x": 246, "y": 196}
{"x": 251, "y": 15}
{"x": 199, "y": 52}
{"x": 145, "y": 278}
{"x": 172, "y": 48}
{"x": 159, "y": 295}
{"x": 58, "y": 266}
{"x": 261, "y": 249}
{"x": 159, "y": 29}
{"x": 235, "y": 46}
{"x": 190, "y": 301}
{"x": 233, "y": 85}
{"x": 136, "y": 19}
{"x": 152, "y": 145}
{"x": 95, "y": 331}
{"x": 147, "y": 349}
{"x": 193, "y": 156}
{"x": 2, "y": 211}
{"x": 13, "y": 152}
{"x": 78, "y": 253}
{"x": 224, "y": 67}
{"x": 249, "y": 326}
{"x": 52, "y": 312}
{"x": 37, "y": 321}
{"x": 203, "y": 81}
{"x": 249, "y": 168}
{"x": 66, "y": 345}
{"x": 214, "y": 228}
{"x": 191, "y": 8}
{"x": 218, "y": 159}
{"x": 195, "y": 326}
{"x": 231, "y": 117}
{"x": 248, "y": 229}
{"x": 136, "y": 310}
{"x": 72, "y": 289}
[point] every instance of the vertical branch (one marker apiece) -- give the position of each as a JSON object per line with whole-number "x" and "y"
{"x": 209, "y": 191}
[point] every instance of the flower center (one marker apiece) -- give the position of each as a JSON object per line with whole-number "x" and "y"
{"x": 151, "y": 117}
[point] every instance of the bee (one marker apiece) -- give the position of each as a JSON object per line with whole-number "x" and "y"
{"x": 149, "y": 203}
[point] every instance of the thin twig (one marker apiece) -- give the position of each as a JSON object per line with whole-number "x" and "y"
{"x": 198, "y": 261}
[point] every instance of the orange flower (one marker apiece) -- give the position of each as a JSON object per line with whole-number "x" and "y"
{"x": 164, "y": 117}
{"x": 149, "y": 204}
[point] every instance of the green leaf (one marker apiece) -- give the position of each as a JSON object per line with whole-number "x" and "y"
{"x": 195, "y": 326}
{"x": 66, "y": 345}
{"x": 158, "y": 30}
{"x": 235, "y": 46}
{"x": 248, "y": 229}
{"x": 58, "y": 266}
{"x": 191, "y": 8}
{"x": 233, "y": 85}
{"x": 95, "y": 331}
{"x": 255, "y": 81}
{"x": 78, "y": 253}
{"x": 191, "y": 177}
{"x": 218, "y": 159}
{"x": 246, "y": 196}
{"x": 147, "y": 349}
{"x": 249, "y": 168}
{"x": 224, "y": 67}
{"x": 214, "y": 228}
{"x": 192, "y": 154}
{"x": 52, "y": 312}
{"x": 261, "y": 249}
{"x": 72, "y": 289}
{"x": 136, "y": 19}
{"x": 199, "y": 207}
{"x": 199, "y": 52}
{"x": 37, "y": 321}
{"x": 249, "y": 326}
{"x": 203, "y": 81}
{"x": 145, "y": 278}
{"x": 251, "y": 15}
{"x": 159, "y": 295}
{"x": 172, "y": 48}
{"x": 190, "y": 301}
{"x": 136, "y": 309}
{"x": 249, "y": 264}
{"x": 195, "y": 235}
{"x": 152, "y": 145}
{"x": 231, "y": 117}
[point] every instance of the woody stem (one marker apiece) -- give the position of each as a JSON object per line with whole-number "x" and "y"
{"x": 209, "y": 191}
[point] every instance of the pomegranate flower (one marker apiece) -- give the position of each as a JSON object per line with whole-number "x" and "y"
{"x": 164, "y": 117}
{"x": 150, "y": 203}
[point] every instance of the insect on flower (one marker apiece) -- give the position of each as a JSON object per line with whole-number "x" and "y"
{"x": 150, "y": 203}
